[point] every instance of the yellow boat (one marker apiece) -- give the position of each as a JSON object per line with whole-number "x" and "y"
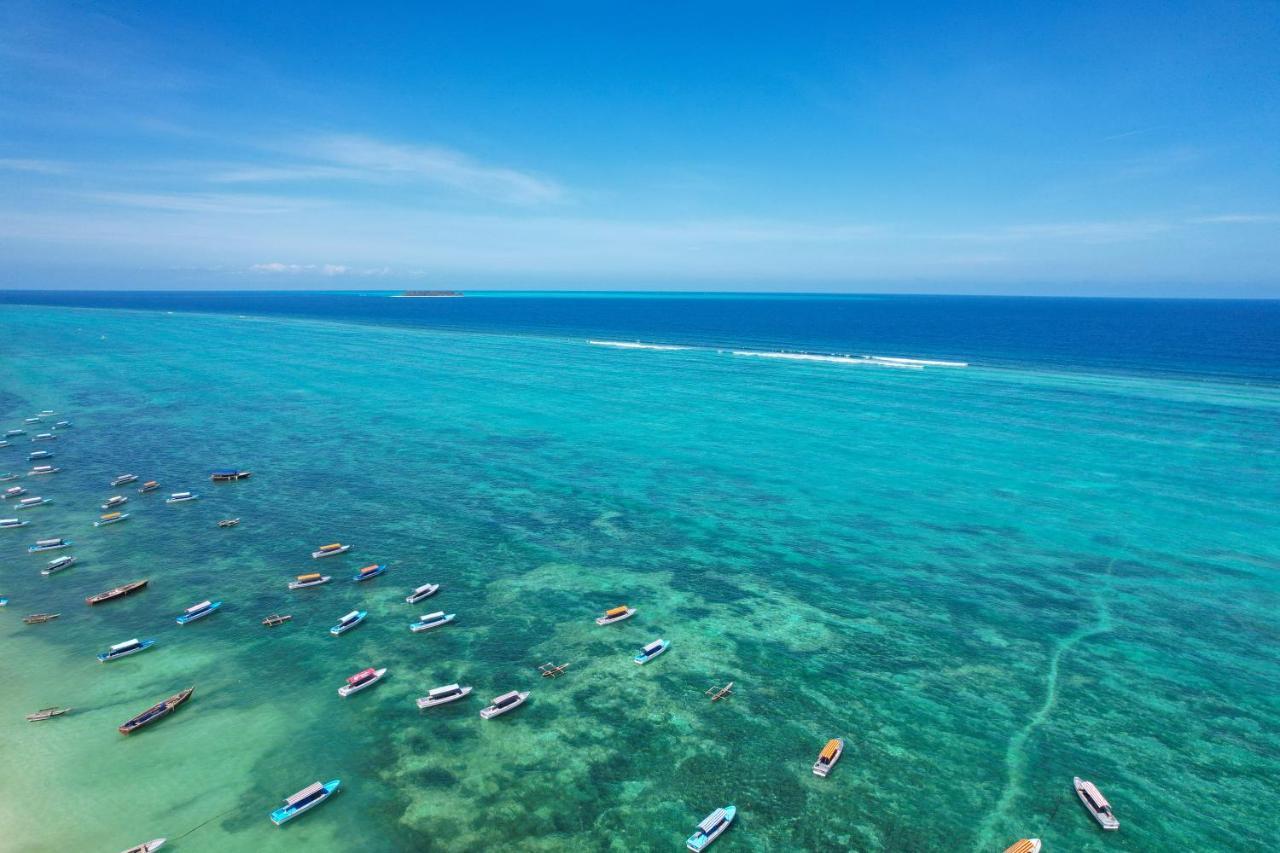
{"x": 616, "y": 614}
{"x": 1026, "y": 845}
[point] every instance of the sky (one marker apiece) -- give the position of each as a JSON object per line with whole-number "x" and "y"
{"x": 1051, "y": 149}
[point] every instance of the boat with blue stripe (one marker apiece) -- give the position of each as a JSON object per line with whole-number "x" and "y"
{"x": 710, "y": 829}
{"x": 128, "y": 647}
{"x": 369, "y": 572}
{"x": 198, "y": 611}
{"x": 49, "y": 545}
{"x": 432, "y": 620}
{"x": 346, "y": 623}
{"x": 652, "y": 650}
{"x": 308, "y": 798}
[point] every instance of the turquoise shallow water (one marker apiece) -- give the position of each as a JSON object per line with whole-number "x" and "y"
{"x": 987, "y": 580}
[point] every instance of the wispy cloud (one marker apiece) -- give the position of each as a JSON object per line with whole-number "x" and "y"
{"x": 328, "y": 270}
{"x": 215, "y": 203}
{"x": 1236, "y": 219}
{"x": 1084, "y": 232}
{"x": 43, "y": 167}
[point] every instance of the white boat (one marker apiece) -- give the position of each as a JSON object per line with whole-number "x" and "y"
{"x": 149, "y": 486}
{"x": 31, "y": 502}
{"x": 64, "y": 562}
{"x": 181, "y": 497}
{"x": 330, "y": 550}
{"x": 617, "y": 614}
{"x": 346, "y": 623}
{"x": 128, "y": 647}
{"x": 111, "y": 518}
{"x": 1096, "y": 804}
{"x": 652, "y": 650}
{"x": 425, "y": 591}
{"x": 45, "y": 413}
{"x": 828, "y": 757}
{"x": 147, "y": 847}
{"x": 124, "y": 479}
{"x": 44, "y": 436}
{"x": 14, "y": 432}
{"x": 42, "y": 469}
{"x": 504, "y": 703}
{"x": 13, "y": 492}
{"x": 313, "y": 579}
{"x": 12, "y": 522}
{"x": 443, "y": 695}
{"x": 9, "y": 477}
{"x": 4, "y": 443}
{"x": 62, "y": 425}
{"x": 115, "y": 501}
{"x": 39, "y": 454}
{"x": 710, "y": 829}
{"x": 432, "y": 620}
{"x": 198, "y": 611}
{"x": 35, "y": 420}
{"x": 361, "y": 680}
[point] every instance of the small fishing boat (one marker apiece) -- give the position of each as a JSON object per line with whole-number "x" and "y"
{"x": 617, "y": 614}
{"x": 229, "y": 522}
{"x": 313, "y": 579}
{"x": 330, "y": 550}
{"x": 13, "y": 432}
{"x": 425, "y": 591}
{"x": 13, "y": 492}
{"x": 9, "y": 477}
{"x": 44, "y": 436}
{"x": 12, "y": 522}
{"x": 276, "y": 619}
{"x": 181, "y": 497}
{"x": 4, "y": 601}
{"x": 148, "y": 847}
{"x": 157, "y": 711}
{"x": 346, "y": 623}
{"x": 711, "y": 828}
{"x": 32, "y": 502}
{"x": 4, "y": 443}
{"x": 432, "y": 620}
{"x": 111, "y": 518}
{"x": 49, "y": 545}
{"x": 124, "y": 480}
{"x": 40, "y": 618}
{"x": 34, "y": 420}
{"x": 652, "y": 650}
{"x": 39, "y": 454}
{"x": 443, "y": 695}
{"x": 149, "y": 486}
{"x": 1025, "y": 845}
{"x": 362, "y": 679}
{"x": 115, "y": 501}
{"x": 198, "y": 611}
{"x": 504, "y": 703}
{"x": 128, "y": 647}
{"x": 308, "y": 798}
{"x": 369, "y": 572}
{"x": 46, "y": 713}
{"x": 58, "y": 564}
{"x": 40, "y": 470}
{"x": 1096, "y": 804}
{"x": 118, "y": 592}
{"x": 62, "y": 425}
{"x": 229, "y": 475}
{"x": 828, "y": 757}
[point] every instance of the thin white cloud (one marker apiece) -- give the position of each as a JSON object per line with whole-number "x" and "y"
{"x": 329, "y": 270}
{"x": 211, "y": 203}
{"x": 1236, "y": 219}
{"x": 43, "y": 167}
{"x": 1084, "y": 232}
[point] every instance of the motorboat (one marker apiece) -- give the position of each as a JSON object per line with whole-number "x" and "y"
{"x": 313, "y": 579}
{"x": 147, "y": 846}
{"x": 425, "y": 591}
{"x": 306, "y": 799}
{"x": 34, "y": 420}
{"x": 9, "y": 477}
{"x": 828, "y": 757}
{"x": 128, "y": 647}
{"x": 330, "y": 550}
{"x": 652, "y": 650}
{"x": 49, "y": 545}
{"x": 198, "y": 611}
{"x": 13, "y": 492}
{"x": 111, "y": 518}
{"x": 504, "y": 703}
{"x": 346, "y": 623}
{"x": 362, "y": 679}
{"x": 118, "y": 592}
{"x": 181, "y": 497}
{"x": 443, "y": 695}
{"x": 229, "y": 475}
{"x": 158, "y": 711}
{"x": 124, "y": 480}
{"x": 39, "y": 618}
{"x": 12, "y": 522}
{"x": 44, "y": 436}
{"x": 32, "y": 502}
{"x": 711, "y": 828}
{"x": 39, "y": 454}
{"x": 14, "y": 432}
{"x": 40, "y": 470}
{"x": 149, "y": 486}
{"x": 432, "y": 620}
{"x": 616, "y": 614}
{"x": 1095, "y": 803}
{"x": 369, "y": 572}
{"x": 46, "y": 714}
{"x": 1024, "y": 845}
{"x": 115, "y": 501}
{"x": 62, "y": 425}
{"x": 56, "y": 565}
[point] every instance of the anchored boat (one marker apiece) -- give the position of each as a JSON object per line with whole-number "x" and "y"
{"x": 40, "y": 470}
{"x": 276, "y": 619}
{"x": 828, "y": 757}
{"x": 443, "y": 695}
{"x": 432, "y": 620}
{"x": 8, "y": 476}
{"x": 115, "y": 501}
{"x": 181, "y": 497}
{"x": 149, "y": 486}
{"x": 111, "y": 518}
{"x": 313, "y": 579}
{"x": 62, "y": 425}
{"x": 346, "y": 623}
{"x": 229, "y": 522}
{"x": 32, "y": 502}
{"x": 308, "y": 798}
{"x": 504, "y": 703}
{"x": 128, "y": 647}
{"x": 369, "y": 572}
{"x": 652, "y": 650}
{"x": 617, "y": 614}
{"x": 12, "y": 432}
{"x": 12, "y": 522}
{"x": 1096, "y": 804}
{"x": 711, "y": 827}
{"x": 124, "y": 480}
{"x": 1025, "y": 845}
{"x": 118, "y": 592}
{"x": 147, "y": 847}
{"x": 58, "y": 564}
{"x": 46, "y": 713}
{"x": 425, "y": 591}
{"x": 49, "y": 545}
{"x": 44, "y": 436}
{"x": 362, "y": 679}
{"x": 40, "y": 618}
{"x": 13, "y": 492}
{"x": 39, "y": 454}
{"x": 157, "y": 711}
{"x": 330, "y": 550}
{"x": 229, "y": 475}
{"x": 198, "y": 611}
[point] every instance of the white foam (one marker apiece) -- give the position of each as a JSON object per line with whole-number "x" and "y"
{"x": 636, "y": 345}
{"x": 914, "y": 361}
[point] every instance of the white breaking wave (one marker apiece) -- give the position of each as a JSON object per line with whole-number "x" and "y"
{"x": 923, "y": 362}
{"x": 873, "y": 360}
{"x": 635, "y": 345}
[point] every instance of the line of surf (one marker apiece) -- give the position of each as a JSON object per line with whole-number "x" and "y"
{"x": 829, "y": 358}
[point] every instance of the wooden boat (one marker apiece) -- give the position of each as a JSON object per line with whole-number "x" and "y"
{"x": 64, "y": 562}
{"x": 148, "y": 847}
{"x": 49, "y": 545}
{"x": 308, "y": 798}
{"x": 504, "y": 703}
{"x": 443, "y": 695}
{"x": 181, "y": 497}
{"x": 276, "y": 619}
{"x": 118, "y": 592}
{"x": 40, "y": 618}
{"x": 198, "y": 611}
{"x": 42, "y": 469}
{"x": 432, "y": 620}
{"x": 13, "y": 522}
{"x": 149, "y": 486}
{"x": 828, "y": 757}
{"x": 617, "y": 614}
{"x": 710, "y": 829}
{"x": 330, "y": 550}
{"x": 1025, "y": 845}
{"x": 652, "y": 650}
{"x": 115, "y": 501}
{"x": 369, "y": 572}
{"x": 111, "y": 518}
{"x": 346, "y": 623}
{"x": 229, "y": 476}
{"x": 552, "y": 670}
{"x": 1095, "y": 803}
{"x": 46, "y": 713}
{"x": 124, "y": 480}
{"x": 229, "y": 522}
{"x": 312, "y": 579}
{"x": 718, "y": 693}
{"x": 362, "y": 679}
{"x": 156, "y": 712}
{"x": 425, "y": 591}
{"x": 129, "y": 647}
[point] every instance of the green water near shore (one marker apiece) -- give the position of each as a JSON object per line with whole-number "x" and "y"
{"x": 988, "y": 581}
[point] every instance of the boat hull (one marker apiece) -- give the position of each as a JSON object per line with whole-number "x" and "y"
{"x": 1106, "y": 821}
{"x": 342, "y": 628}
{"x": 609, "y": 620}
{"x": 492, "y": 711}
{"x": 698, "y": 841}
{"x": 188, "y": 618}
{"x": 426, "y": 702}
{"x": 106, "y": 657}
{"x": 284, "y": 815}
{"x": 419, "y": 627}
{"x": 642, "y": 659}
{"x": 156, "y": 712}
{"x": 319, "y": 555}
{"x": 321, "y": 582}
{"x": 415, "y": 597}
{"x": 347, "y": 689}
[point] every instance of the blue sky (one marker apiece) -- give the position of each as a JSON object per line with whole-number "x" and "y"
{"x": 1088, "y": 148}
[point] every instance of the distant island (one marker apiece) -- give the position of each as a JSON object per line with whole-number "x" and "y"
{"x": 428, "y": 293}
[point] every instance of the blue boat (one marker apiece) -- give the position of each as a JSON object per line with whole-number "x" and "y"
{"x": 432, "y": 620}
{"x": 128, "y": 647}
{"x": 710, "y": 828}
{"x": 652, "y": 650}
{"x": 12, "y": 522}
{"x": 49, "y": 545}
{"x": 346, "y": 623}
{"x": 369, "y": 572}
{"x": 308, "y": 798}
{"x": 3, "y": 601}
{"x": 198, "y": 611}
